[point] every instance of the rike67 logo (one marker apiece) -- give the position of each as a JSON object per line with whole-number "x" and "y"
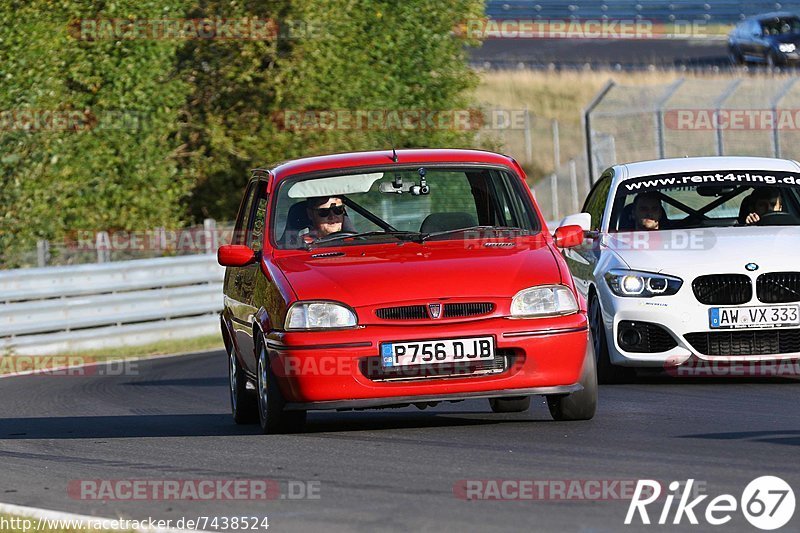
{"x": 767, "y": 503}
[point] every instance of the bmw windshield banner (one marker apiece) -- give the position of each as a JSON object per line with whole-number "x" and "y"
{"x": 699, "y": 179}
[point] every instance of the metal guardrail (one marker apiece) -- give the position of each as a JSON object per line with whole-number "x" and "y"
{"x": 61, "y": 309}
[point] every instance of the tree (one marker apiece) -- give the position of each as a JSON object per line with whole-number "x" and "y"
{"x": 98, "y": 152}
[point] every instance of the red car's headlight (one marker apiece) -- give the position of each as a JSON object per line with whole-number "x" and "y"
{"x": 550, "y": 300}
{"x": 319, "y": 315}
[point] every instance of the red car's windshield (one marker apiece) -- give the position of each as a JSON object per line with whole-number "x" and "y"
{"x": 417, "y": 202}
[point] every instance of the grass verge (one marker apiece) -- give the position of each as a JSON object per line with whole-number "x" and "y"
{"x": 562, "y": 96}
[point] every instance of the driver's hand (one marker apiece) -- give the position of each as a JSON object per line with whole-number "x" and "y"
{"x": 752, "y": 218}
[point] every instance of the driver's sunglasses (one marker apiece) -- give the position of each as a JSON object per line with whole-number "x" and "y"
{"x": 337, "y": 210}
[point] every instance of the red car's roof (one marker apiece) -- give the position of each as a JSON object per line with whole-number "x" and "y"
{"x": 384, "y": 157}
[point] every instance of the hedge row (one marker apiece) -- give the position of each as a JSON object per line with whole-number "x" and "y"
{"x": 124, "y": 115}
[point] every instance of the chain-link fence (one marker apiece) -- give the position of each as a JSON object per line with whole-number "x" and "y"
{"x": 535, "y": 142}
{"x": 83, "y": 247}
{"x": 757, "y": 116}
{"x": 562, "y": 193}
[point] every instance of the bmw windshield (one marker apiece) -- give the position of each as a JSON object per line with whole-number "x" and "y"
{"x": 707, "y": 199}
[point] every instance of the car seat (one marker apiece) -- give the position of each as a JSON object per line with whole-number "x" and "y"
{"x": 745, "y": 209}
{"x": 446, "y": 222}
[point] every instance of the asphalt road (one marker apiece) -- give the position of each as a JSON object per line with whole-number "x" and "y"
{"x": 601, "y": 53}
{"x": 386, "y": 470}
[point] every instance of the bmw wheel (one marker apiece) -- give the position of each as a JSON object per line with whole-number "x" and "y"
{"x": 773, "y": 62}
{"x": 606, "y": 371}
{"x": 243, "y": 402}
{"x": 271, "y": 413}
{"x": 735, "y": 57}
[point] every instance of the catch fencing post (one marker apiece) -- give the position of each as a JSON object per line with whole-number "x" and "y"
{"x": 528, "y": 136}
{"x": 210, "y": 230}
{"x": 556, "y": 146}
{"x": 776, "y": 136}
{"x": 587, "y": 126}
{"x": 718, "y": 108}
{"x": 554, "y": 195}
{"x": 42, "y": 252}
{"x": 102, "y": 245}
{"x": 660, "y": 103}
{"x": 573, "y": 182}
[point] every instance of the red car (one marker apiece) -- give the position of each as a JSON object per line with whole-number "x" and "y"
{"x": 388, "y": 279}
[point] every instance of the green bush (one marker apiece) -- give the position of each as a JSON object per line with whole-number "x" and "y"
{"x": 112, "y": 168}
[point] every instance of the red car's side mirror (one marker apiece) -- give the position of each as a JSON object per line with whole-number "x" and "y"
{"x": 569, "y": 236}
{"x": 235, "y": 255}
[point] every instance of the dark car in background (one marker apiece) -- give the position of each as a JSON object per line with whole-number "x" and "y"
{"x": 772, "y": 39}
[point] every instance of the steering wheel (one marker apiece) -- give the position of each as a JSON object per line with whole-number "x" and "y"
{"x": 777, "y": 218}
{"x": 342, "y": 233}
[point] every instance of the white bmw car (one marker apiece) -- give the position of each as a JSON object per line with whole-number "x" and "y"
{"x": 694, "y": 259}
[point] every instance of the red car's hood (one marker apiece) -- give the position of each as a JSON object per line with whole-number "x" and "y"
{"x": 378, "y": 274}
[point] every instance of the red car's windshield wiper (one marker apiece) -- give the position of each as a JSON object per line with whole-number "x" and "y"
{"x": 400, "y": 235}
{"x": 473, "y": 228}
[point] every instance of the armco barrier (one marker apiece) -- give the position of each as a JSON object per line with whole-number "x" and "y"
{"x": 61, "y": 309}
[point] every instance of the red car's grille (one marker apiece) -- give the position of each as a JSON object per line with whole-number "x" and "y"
{"x": 371, "y": 368}
{"x": 406, "y": 312}
{"x": 468, "y": 309}
{"x": 421, "y": 312}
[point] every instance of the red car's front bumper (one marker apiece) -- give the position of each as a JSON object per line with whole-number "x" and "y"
{"x": 341, "y": 369}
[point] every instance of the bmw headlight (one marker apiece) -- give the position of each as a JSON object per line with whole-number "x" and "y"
{"x": 319, "y": 315}
{"x": 641, "y": 284}
{"x": 787, "y": 48}
{"x": 550, "y": 300}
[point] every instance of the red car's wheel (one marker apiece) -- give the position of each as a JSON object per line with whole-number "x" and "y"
{"x": 580, "y": 405}
{"x": 271, "y": 413}
{"x": 244, "y": 407}
{"x": 510, "y": 405}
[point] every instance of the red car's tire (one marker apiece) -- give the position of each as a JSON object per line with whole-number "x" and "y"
{"x": 580, "y": 405}
{"x": 244, "y": 405}
{"x": 271, "y": 405}
{"x": 510, "y": 405}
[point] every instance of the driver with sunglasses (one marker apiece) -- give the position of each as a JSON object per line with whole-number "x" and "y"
{"x": 326, "y": 215}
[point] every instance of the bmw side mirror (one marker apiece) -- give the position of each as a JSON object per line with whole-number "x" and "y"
{"x": 584, "y": 220}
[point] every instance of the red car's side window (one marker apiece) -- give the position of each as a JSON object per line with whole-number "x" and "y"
{"x": 239, "y": 236}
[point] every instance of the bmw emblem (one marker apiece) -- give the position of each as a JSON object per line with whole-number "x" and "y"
{"x": 751, "y": 267}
